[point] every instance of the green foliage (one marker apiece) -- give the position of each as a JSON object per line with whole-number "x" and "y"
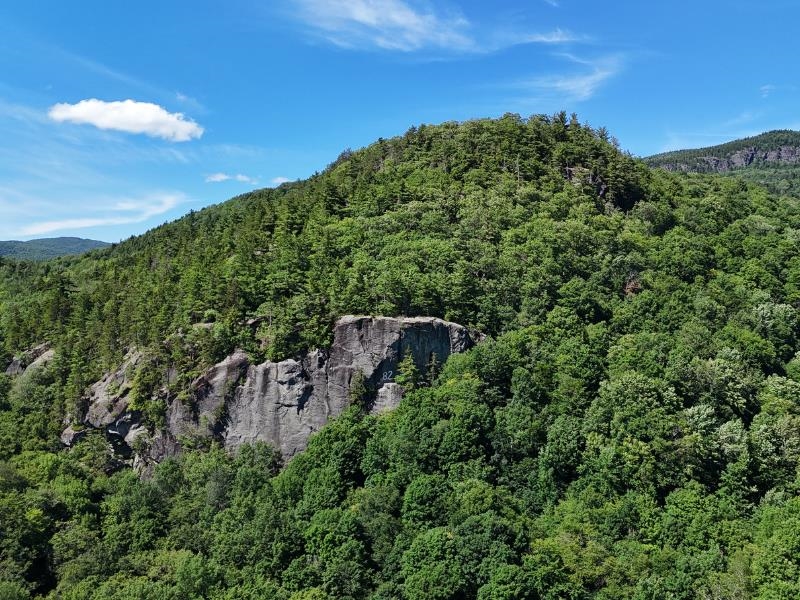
{"x": 628, "y": 429}
{"x": 753, "y": 159}
{"x": 408, "y": 375}
{"x": 359, "y": 394}
{"x": 48, "y": 248}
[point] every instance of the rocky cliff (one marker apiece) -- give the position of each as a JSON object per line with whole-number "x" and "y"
{"x": 769, "y": 150}
{"x": 785, "y": 155}
{"x": 282, "y": 403}
{"x": 30, "y": 360}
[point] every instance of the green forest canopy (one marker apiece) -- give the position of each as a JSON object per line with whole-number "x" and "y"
{"x": 631, "y": 429}
{"x": 47, "y": 248}
{"x": 770, "y": 140}
{"x": 781, "y": 178}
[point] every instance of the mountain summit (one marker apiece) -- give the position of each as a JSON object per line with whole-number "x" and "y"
{"x": 47, "y": 248}
{"x": 625, "y": 425}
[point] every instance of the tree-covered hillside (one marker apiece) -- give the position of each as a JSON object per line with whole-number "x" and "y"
{"x": 769, "y": 141}
{"x": 47, "y": 248}
{"x": 771, "y": 159}
{"x": 630, "y": 429}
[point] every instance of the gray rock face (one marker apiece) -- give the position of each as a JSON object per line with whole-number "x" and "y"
{"x": 108, "y": 410}
{"x": 30, "y": 360}
{"x": 108, "y": 398}
{"x": 783, "y": 155}
{"x": 202, "y": 415}
{"x": 281, "y": 403}
{"x": 387, "y": 398}
{"x": 71, "y": 435}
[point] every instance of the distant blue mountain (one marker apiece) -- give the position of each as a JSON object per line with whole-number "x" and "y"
{"x": 47, "y": 248}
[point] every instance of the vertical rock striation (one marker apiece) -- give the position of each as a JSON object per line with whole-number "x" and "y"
{"x": 283, "y": 403}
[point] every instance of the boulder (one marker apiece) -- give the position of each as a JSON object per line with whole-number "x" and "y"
{"x": 72, "y": 435}
{"x": 108, "y": 398}
{"x": 30, "y": 360}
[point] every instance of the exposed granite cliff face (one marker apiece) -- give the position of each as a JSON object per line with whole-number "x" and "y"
{"x": 107, "y": 401}
{"x": 281, "y": 403}
{"x": 30, "y": 360}
{"x": 784, "y": 155}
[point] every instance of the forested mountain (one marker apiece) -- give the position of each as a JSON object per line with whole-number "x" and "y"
{"x": 771, "y": 159}
{"x": 47, "y": 248}
{"x": 630, "y": 428}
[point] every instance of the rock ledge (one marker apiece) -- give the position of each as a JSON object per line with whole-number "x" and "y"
{"x": 281, "y": 403}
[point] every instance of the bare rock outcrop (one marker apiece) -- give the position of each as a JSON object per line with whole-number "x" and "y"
{"x": 783, "y": 155}
{"x": 30, "y": 360}
{"x": 108, "y": 398}
{"x": 282, "y": 403}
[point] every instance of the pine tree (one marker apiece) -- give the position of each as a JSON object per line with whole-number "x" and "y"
{"x": 408, "y": 375}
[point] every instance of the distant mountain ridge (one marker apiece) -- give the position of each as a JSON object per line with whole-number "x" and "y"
{"x": 47, "y": 248}
{"x": 771, "y": 159}
{"x": 773, "y": 148}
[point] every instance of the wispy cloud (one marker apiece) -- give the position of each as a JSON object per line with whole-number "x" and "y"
{"x": 399, "y": 25}
{"x": 279, "y": 180}
{"x": 129, "y": 116}
{"x": 98, "y": 68}
{"x": 217, "y": 177}
{"x": 220, "y": 177}
{"x": 192, "y": 104}
{"x": 557, "y": 36}
{"x": 742, "y": 118}
{"x": 245, "y": 179}
{"x": 120, "y": 212}
{"x": 20, "y": 113}
{"x": 766, "y": 90}
{"x": 387, "y": 24}
{"x": 552, "y": 3}
{"x": 575, "y": 86}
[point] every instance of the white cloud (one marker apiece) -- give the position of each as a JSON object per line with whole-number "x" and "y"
{"x": 387, "y": 24}
{"x": 217, "y": 177}
{"x": 552, "y": 3}
{"x": 220, "y": 177}
{"x": 399, "y": 25}
{"x": 557, "y": 36}
{"x": 279, "y": 180}
{"x": 129, "y": 116}
{"x": 121, "y": 212}
{"x": 575, "y": 87}
{"x": 766, "y": 90}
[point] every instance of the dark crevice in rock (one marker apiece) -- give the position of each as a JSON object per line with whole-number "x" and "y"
{"x": 281, "y": 403}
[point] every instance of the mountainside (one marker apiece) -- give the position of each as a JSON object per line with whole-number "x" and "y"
{"x": 282, "y": 403}
{"x": 47, "y": 248}
{"x": 771, "y": 159}
{"x": 626, "y": 425}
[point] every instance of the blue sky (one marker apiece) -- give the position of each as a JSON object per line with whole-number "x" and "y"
{"x": 118, "y": 116}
